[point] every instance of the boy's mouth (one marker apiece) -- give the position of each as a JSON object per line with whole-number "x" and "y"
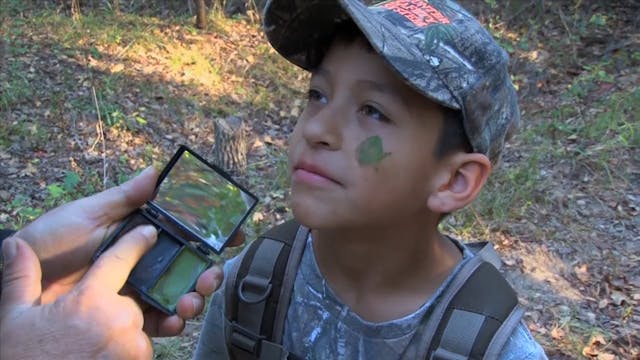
{"x": 309, "y": 173}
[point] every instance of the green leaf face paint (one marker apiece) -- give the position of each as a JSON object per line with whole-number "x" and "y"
{"x": 178, "y": 278}
{"x": 371, "y": 151}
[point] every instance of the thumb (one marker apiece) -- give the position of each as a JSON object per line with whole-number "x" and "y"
{"x": 21, "y": 275}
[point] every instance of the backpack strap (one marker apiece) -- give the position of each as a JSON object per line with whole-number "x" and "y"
{"x": 477, "y": 313}
{"x": 487, "y": 252}
{"x": 258, "y": 293}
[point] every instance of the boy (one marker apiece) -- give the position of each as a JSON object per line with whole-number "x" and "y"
{"x": 409, "y": 104}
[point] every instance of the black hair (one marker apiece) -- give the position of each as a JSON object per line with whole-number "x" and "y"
{"x": 452, "y": 137}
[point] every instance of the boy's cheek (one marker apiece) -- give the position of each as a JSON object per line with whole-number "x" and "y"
{"x": 292, "y": 150}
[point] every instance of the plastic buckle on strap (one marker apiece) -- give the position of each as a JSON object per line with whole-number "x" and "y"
{"x": 245, "y": 339}
{"x": 254, "y": 289}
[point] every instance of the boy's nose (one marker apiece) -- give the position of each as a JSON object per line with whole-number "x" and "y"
{"x": 324, "y": 128}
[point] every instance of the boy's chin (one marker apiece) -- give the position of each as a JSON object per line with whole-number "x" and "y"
{"x": 313, "y": 217}
{"x": 305, "y": 216}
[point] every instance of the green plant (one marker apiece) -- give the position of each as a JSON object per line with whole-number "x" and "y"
{"x": 110, "y": 112}
{"x": 60, "y": 193}
{"x": 492, "y": 3}
{"x": 589, "y": 80}
{"x": 599, "y": 19}
{"x": 23, "y": 212}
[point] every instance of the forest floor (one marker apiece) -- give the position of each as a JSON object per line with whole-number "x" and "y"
{"x": 86, "y": 102}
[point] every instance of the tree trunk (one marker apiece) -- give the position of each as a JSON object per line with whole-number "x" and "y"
{"x": 201, "y": 15}
{"x": 75, "y": 9}
{"x": 229, "y": 147}
{"x": 236, "y": 7}
{"x": 116, "y": 7}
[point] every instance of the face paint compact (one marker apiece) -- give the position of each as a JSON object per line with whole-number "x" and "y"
{"x": 197, "y": 208}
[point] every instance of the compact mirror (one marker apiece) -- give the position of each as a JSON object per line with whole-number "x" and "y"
{"x": 203, "y": 199}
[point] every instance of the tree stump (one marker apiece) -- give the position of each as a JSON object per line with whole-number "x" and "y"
{"x": 229, "y": 146}
{"x": 201, "y": 15}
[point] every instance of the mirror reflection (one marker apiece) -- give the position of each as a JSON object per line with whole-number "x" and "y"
{"x": 202, "y": 200}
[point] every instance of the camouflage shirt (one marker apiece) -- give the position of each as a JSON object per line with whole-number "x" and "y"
{"x": 319, "y": 326}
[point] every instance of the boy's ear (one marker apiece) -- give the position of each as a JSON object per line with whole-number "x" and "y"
{"x": 460, "y": 182}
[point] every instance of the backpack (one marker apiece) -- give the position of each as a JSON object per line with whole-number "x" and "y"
{"x": 473, "y": 320}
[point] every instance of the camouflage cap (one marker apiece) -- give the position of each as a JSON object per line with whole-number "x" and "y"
{"x": 436, "y": 46}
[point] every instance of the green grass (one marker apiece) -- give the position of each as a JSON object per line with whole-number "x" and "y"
{"x": 595, "y": 140}
{"x": 596, "y": 128}
{"x": 598, "y": 138}
{"x": 104, "y": 28}
{"x": 507, "y": 196}
{"x": 14, "y": 85}
{"x": 128, "y": 39}
{"x": 170, "y": 348}
{"x": 31, "y": 133}
{"x": 72, "y": 186}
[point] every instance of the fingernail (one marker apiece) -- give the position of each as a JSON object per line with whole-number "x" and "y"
{"x": 9, "y": 248}
{"x": 197, "y": 303}
{"x": 149, "y": 231}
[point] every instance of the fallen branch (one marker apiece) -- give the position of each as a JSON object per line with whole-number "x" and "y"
{"x": 100, "y": 137}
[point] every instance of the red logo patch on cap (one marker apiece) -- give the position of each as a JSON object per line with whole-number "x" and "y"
{"x": 419, "y": 12}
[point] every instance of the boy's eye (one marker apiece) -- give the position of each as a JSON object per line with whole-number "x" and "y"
{"x": 373, "y": 112}
{"x": 316, "y": 96}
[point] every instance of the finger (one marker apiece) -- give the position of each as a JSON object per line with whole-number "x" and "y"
{"x": 21, "y": 276}
{"x": 112, "y": 269}
{"x": 209, "y": 281}
{"x": 131, "y": 293}
{"x": 190, "y": 305}
{"x": 104, "y": 208}
{"x": 52, "y": 291}
{"x": 128, "y": 314}
{"x": 158, "y": 324}
{"x": 143, "y": 349}
{"x": 237, "y": 239}
{"x": 117, "y": 202}
{"x": 134, "y": 346}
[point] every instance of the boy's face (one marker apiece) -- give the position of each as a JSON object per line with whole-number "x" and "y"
{"x": 362, "y": 152}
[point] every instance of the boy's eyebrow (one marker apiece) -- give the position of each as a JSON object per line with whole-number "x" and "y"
{"x": 320, "y": 71}
{"x": 382, "y": 88}
{"x": 374, "y": 85}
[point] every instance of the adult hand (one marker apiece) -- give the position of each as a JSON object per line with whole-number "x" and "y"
{"x": 90, "y": 321}
{"x": 65, "y": 239}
